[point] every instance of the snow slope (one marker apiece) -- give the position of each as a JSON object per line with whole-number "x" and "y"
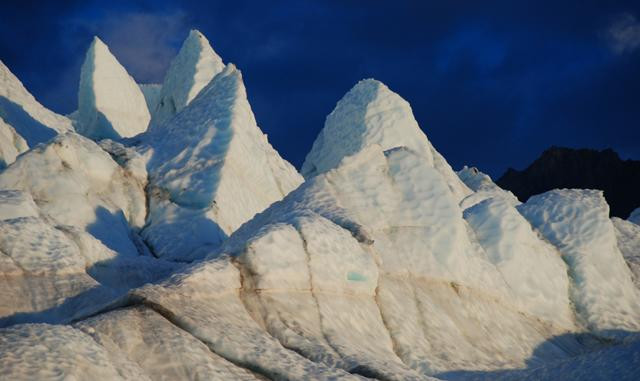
{"x": 212, "y": 169}
{"x": 191, "y": 70}
{"x": 110, "y": 103}
{"x": 23, "y": 121}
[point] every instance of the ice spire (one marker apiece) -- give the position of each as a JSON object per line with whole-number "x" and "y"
{"x": 110, "y": 103}
{"x": 190, "y": 71}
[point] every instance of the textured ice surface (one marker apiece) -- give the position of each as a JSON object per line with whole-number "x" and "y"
{"x": 212, "y": 169}
{"x": 614, "y": 363}
{"x": 55, "y": 352}
{"x": 110, "y": 103}
{"x": 190, "y": 71}
{"x": 162, "y": 350}
{"x": 577, "y": 223}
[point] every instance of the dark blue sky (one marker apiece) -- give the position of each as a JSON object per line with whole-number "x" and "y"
{"x": 491, "y": 83}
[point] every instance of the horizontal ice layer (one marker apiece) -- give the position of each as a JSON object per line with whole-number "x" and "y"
{"x": 577, "y": 223}
{"x": 204, "y": 300}
{"x": 110, "y": 103}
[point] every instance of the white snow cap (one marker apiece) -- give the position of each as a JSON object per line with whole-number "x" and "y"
{"x": 110, "y": 103}
{"x": 369, "y": 114}
{"x": 190, "y": 71}
{"x": 28, "y": 118}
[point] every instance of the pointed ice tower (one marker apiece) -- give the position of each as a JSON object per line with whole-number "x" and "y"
{"x": 191, "y": 70}
{"x": 370, "y": 114}
{"x": 22, "y": 117}
{"x": 110, "y": 103}
{"x": 212, "y": 170}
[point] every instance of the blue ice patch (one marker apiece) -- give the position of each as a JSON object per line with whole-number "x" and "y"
{"x": 356, "y": 277}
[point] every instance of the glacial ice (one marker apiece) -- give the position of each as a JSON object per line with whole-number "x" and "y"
{"x": 194, "y": 251}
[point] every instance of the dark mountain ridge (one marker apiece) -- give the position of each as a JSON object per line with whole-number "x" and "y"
{"x": 560, "y": 167}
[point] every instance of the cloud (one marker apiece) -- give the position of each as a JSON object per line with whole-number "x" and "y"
{"x": 624, "y": 34}
{"x": 144, "y": 42}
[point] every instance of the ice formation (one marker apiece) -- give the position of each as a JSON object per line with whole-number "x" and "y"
{"x": 192, "y": 69}
{"x": 194, "y": 251}
{"x": 110, "y": 103}
{"x": 211, "y": 170}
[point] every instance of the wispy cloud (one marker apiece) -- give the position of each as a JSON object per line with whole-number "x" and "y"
{"x": 624, "y": 34}
{"x": 143, "y": 42}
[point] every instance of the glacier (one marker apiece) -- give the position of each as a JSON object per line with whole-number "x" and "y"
{"x": 156, "y": 234}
